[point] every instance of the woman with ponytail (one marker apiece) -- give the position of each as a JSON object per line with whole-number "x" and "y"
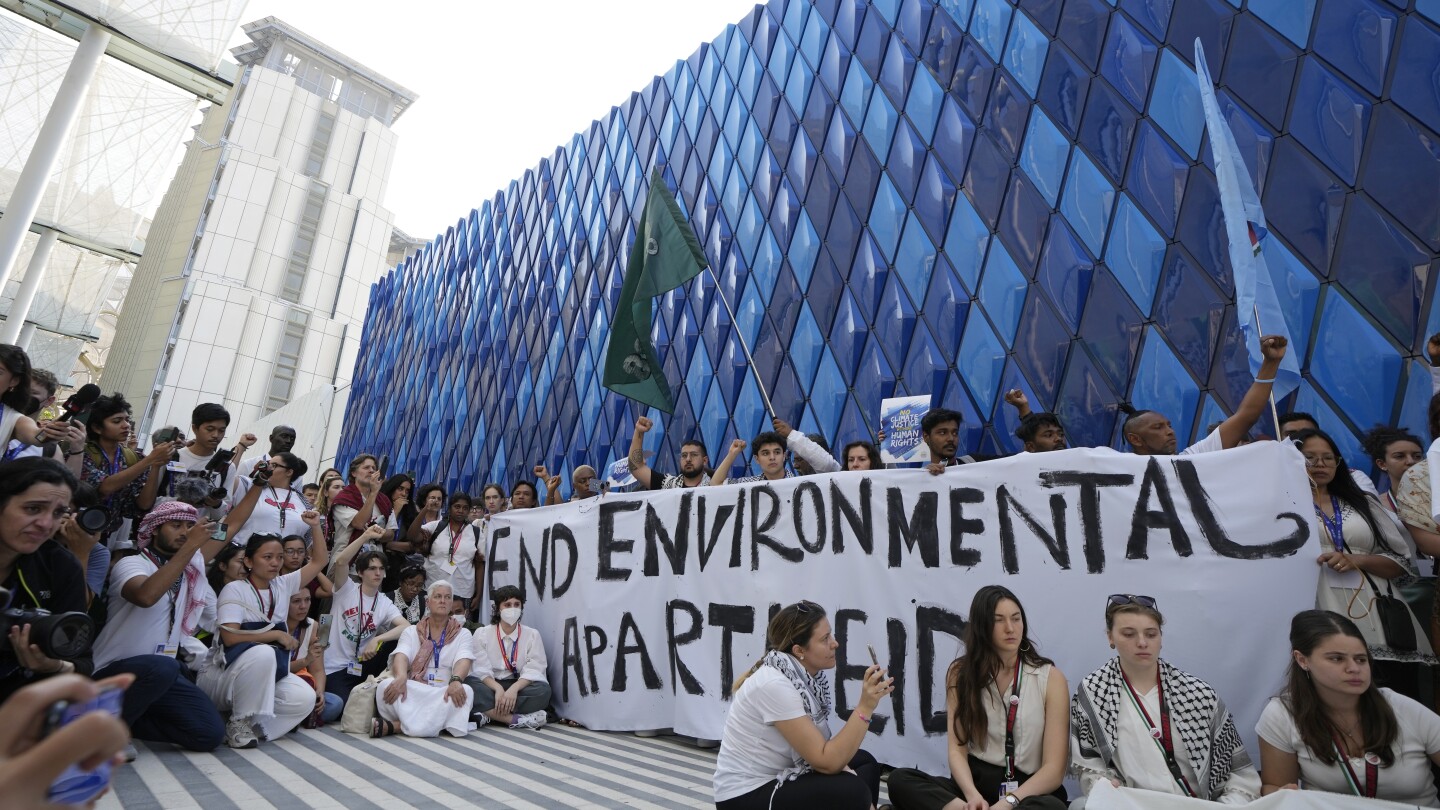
{"x": 1334, "y": 729}
{"x": 1009, "y": 720}
{"x": 778, "y": 750}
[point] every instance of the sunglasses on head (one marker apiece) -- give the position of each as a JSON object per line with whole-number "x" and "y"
{"x": 1119, "y": 599}
{"x": 804, "y": 605}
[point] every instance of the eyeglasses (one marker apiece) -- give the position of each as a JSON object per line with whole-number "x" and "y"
{"x": 275, "y": 466}
{"x": 1321, "y": 461}
{"x": 1120, "y": 599}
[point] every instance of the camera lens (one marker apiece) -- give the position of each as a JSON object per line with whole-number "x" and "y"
{"x": 93, "y": 520}
{"x": 62, "y": 635}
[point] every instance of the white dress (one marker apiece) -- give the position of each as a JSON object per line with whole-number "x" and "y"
{"x": 424, "y": 711}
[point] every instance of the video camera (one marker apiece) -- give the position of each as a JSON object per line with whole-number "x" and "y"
{"x": 63, "y": 636}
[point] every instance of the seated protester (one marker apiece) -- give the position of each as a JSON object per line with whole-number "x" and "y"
{"x": 43, "y": 386}
{"x": 307, "y": 661}
{"x": 1331, "y": 729}
{"x": 1007, "y": 709}
{"x": 297, "y": 553}
{"x": 361, "y": 619}
{"x": 769, "y": 453}
{"x": 329, "y": 488}
{"x": 524, "y": 495}
{"x": 778, "y": 751}
{"x": 275, "y": 503}
{"x": 862, "y": 455}
{"x": 87, "y": 548}
{"x": 203, "y": 461}
{"x": 252, "y": 678}
{"x": 34, "y": 497}
{"x": 693, "y": 461}
{"x": 127, "y": 482}
{"x": 452, "y": 548}
{"x": 426, "y": 692}
{"x": 1362, "y": 545}
{"x": 227, "y": 567}
{"x": 398, "y": 488}
{"x": 409, "y": 598}
{"x": 282, "y": 440}
{"x": 509, "y": 681}
{"x": 156, "y": 599}
{"x": 311, "y": 493}
{"x": 812, "y": 454}
{"x": 1150, "y": 434}
{"x": 15, "y": 403}
{"x": 1119, "y": 707}
{"x": 359, "y": 504}
{"x": 1394, "y": 450}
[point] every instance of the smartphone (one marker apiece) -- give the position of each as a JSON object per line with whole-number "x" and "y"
{"x": 173, "y": 434}
{"x": 873, "y": 659}
{"x": 384, "y": 466}
{"x": 75, "y": 786}
{"x": 221, "y": 529}
{"x": 322, "y": 633}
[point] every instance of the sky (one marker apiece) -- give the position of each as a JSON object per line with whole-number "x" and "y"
{"x": 500, "y": 84}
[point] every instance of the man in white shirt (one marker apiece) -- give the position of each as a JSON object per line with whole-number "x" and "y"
{"x": 509, "y": 679}
{"x": 209, "y": 423}
{"x": 1150, "y": 433}
{"x": 156, "y": 600}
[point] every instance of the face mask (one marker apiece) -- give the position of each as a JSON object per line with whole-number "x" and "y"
{"x": 510, "y": 615}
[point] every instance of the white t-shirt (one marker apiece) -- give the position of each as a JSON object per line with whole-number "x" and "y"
{"x": 453, "y": 559}
{"x": 1408, "y": 781}
{"x": 353, "y": 617}
{"x": 266, "y": 517}
{"x": 523, "y": 644}
{"x": 461, "y": 648}
{"x": 1209, "y": 444}
{"x": 752, "y": 750}
{"x": 241, "y": 602}
{"x": 132, "y": 630}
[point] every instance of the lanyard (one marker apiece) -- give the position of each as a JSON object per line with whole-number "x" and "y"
{"x": 174, "y": 588}
{"x": 1336, "y": 525}
{"x": 1372, "y": 769}
{"x": 1010, "y": 715}
{"x": 285, "y": 507}
{"x": 1160, "y": 734}
{"x": 362, "y": 619}
{"x": 296, "y": 634}
{"x": 455, "y": 538}
{"x": 514, "y": 649}
{"x": 437, "y": 646}
{"x": 269, "y": 614}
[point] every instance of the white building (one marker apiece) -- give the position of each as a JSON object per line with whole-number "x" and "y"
{"x": 256, "y": 275}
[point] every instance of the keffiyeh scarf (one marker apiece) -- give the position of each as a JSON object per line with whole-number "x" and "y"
{"x": 196, "y": 586}
{"x": 814, "y": 696}
{"x": 1211, "y": 741}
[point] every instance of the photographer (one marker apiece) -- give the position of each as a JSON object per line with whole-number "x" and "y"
{"x": 277, "y": 504}
{"x": 202, "y": 459}
{"x": 127, "y": 482}
{"x": 156, "y": 599}
{"x": 41, "y": 575}
{"x": 15, "y": 402}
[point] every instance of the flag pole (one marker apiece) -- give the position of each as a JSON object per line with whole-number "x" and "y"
{"x": 1274, "y": 412}
{"x": 719, "y": 293}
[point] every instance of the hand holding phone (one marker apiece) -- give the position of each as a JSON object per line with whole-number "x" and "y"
{"x": 76, "y": 785}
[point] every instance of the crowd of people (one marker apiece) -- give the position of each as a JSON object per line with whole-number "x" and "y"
{"x": 239, "y": 598}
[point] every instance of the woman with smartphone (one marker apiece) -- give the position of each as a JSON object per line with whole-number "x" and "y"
{"x": 252, "y": 678}
{"x": 1007, "y": 707}
{"x": 308, "y": 658}
{"x": 1142, "y": 723}
{"x": 778, "y": 751}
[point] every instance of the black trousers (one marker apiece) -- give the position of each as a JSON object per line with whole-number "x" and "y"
{"x": 916, "y": 790}
{"x": 839, "y": 791}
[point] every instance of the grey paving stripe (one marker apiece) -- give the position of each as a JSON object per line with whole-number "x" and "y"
{"x": 540, "y": 786}
{"x": 200, "y": 785}
{"x": 262, "y": 782}
{"x": 126, "y": 781}
{"x": 364, "y": 779}
{"x": 399, "y": 790}
{"x": 698, "y": 776}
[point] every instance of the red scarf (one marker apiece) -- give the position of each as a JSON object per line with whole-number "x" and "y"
{"x": 351, "y": 497}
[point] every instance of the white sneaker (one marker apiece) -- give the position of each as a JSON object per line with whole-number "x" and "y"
{"x": 239, "y": 734}
{"x": 535, "y": 720}
{"x": 480, "y": 719}
{"x": 129, "y": 753}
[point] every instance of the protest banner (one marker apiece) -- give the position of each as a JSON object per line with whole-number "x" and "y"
{"x": 650, "y": 606}
{"x": 900, "y": 422}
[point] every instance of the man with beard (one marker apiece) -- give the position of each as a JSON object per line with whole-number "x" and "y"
{"x": 693, "y": 461}
{"x": 940, "y": 428}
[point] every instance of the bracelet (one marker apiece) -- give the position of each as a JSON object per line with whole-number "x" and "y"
{"x": 456, "y": 679}
{"x": 1258, "y": 380}
{"x": 864, "y": 717}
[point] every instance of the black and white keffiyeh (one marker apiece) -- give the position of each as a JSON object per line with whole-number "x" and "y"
{"x": 1211, "y": 741}
{"x": 814, "y": 696}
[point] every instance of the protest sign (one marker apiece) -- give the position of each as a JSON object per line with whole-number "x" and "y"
{"x": 651, "y": 605}
{"x": 900, "y": 422}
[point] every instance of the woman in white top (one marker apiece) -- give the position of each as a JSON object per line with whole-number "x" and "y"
{"x": 1119, "y": 708}
{"x": 451, "y": 547}
{"x": 15, "y": 401}
{"x": 426, "y": 692}
{"x": 278, "y": 504}
{"x": 778, "y": 750}
{"x": 308, "y": 659}
{"x": 509, "y": 682}
{"x": 1362, "y": 552}
{"x": 1333, "y": 730}
{"x": 252, "y": 678}
{"x": 1008, "y": 713}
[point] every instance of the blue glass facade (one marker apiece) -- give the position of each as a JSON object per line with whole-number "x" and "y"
{"x": 955, "y": 199}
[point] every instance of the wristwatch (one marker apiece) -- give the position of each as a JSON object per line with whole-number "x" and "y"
{"x": 1010, "y": 797}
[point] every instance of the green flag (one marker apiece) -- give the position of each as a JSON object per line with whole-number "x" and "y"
{"x": 665, "y": 255}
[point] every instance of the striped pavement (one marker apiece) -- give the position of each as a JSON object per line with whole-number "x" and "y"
{"x": 557, "y": 767}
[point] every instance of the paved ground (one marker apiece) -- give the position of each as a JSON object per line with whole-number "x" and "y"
{"x": 556, "y": 767}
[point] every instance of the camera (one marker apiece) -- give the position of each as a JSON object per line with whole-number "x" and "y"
{"x": 262, "y": 472}
{"x": 62, "y": 636}
{"x": 93, "y": 520}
